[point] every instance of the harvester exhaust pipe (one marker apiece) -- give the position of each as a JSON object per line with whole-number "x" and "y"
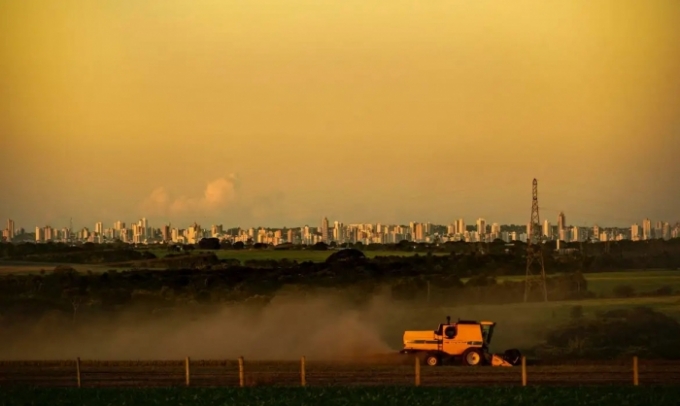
{"x": 448, "y": 319}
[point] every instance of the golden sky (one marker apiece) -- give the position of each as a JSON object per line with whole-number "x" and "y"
{"x": 277, "y": 113}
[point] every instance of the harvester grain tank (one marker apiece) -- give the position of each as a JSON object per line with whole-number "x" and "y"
{"x": 465, "y": 342}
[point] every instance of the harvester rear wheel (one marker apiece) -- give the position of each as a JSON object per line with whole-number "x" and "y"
{"x": 473, "y": 357}
{"x": 432, "y": 360}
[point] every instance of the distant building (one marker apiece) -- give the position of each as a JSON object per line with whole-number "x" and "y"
{"x": 547, "y": 230}
{"x": 561, "y": 222}
{"x": 325, "y": 237}
{"x": 11, "y": 232}
{"x": 460, "y": 226}
{"x": 635, "y": 232}
{"x": 647, "y": 229}
{"x": 481, "y": 226}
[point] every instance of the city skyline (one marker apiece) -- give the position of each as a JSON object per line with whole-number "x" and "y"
{"x": 394, "y": 112}
{"x": 143, "y": 232}
{"x": 560, "y": 221}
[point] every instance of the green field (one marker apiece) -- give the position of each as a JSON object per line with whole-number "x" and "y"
{"x": 642, "y": 281}
{"x": 348, "y": 396}
{"x": 557, "y": 312}
{"x": 603, "y": 283}
{"x": 293, "y": 255}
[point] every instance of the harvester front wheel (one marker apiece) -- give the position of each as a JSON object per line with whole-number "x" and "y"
{"x": 432, "y": 360}
{"x": 473, "y": 357}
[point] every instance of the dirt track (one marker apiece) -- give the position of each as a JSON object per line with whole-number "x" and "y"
{"x": 225, "y": 373}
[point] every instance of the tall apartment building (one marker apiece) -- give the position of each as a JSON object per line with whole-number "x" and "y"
{"x": 666, "y": 231}
{"x": 165, "y": 233}
{"x": 481, "y": 227}
{"x": 144, "y": 223}
{"x": 564, "y": 235}
{"x": 339, "y": 232}
{"x": 561, "y": 222}
{"x": 596, "y": 231}
{"x": 576, "y": 234}
{"x": 325, "y": 235}
{"x": 10, "y": 232}
{"x": 194, "y": 234}
{"x": 216, "y": 230}
{"x": 635, "y": 232}
{"x": 547, "y": 230}
{"x": 419, "y": 232}
{"x": 460, "y": 226}
{"x": 49, "y": 233}
{"x": 647, "y": 229}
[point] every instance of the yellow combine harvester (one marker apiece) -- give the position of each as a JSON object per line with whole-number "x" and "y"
{"x": 464, "y": 341}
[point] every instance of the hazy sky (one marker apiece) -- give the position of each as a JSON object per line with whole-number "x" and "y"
{"x": 277, "y": 113}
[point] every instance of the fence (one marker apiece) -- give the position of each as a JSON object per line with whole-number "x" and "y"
{"x": 317, "y": 373}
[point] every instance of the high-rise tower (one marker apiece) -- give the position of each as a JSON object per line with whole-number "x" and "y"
{"x": 561, "y": 222}
{"x": 324, "y": 230}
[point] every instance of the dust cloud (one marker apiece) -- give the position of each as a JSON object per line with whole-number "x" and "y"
{"x": 321, "y": 326}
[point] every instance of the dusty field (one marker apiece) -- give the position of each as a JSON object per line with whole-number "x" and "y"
{"x": 261, "y": 373}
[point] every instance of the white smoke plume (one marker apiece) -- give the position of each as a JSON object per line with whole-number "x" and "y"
{"x": 218, "y": 194}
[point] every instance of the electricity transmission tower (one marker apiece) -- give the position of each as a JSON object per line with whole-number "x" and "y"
{"x": 535, "y": 278}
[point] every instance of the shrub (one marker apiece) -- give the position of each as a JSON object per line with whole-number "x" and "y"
{"x": 641, "y": 331}
{"x": 624, "y": 291}
{"x": 664, "y": 291}
{"x": 576, "y": 312}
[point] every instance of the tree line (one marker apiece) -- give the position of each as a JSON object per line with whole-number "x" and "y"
{"x": 424, "y": 279}
{"x": 497, "y": 257}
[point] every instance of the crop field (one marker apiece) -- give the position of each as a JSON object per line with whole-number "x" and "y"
{"x": 210, "y": 373}
{"x": 346, "y": 396}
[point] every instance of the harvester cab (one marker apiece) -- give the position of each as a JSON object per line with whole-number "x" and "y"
{"x": 465, "y": 341}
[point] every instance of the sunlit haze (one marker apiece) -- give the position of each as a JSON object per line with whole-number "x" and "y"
{"x": 277, "y": 113}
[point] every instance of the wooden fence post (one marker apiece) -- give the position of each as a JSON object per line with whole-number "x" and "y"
{"x": 417, "y": 371}
{"x": 524, "y": 371}
{"x": 303, "y": 375}
{"x": 636, "y": 381}
{"x": 187, "y": 372}
{"x": 241, "y": 375}
{"x": 78, "y": 371}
